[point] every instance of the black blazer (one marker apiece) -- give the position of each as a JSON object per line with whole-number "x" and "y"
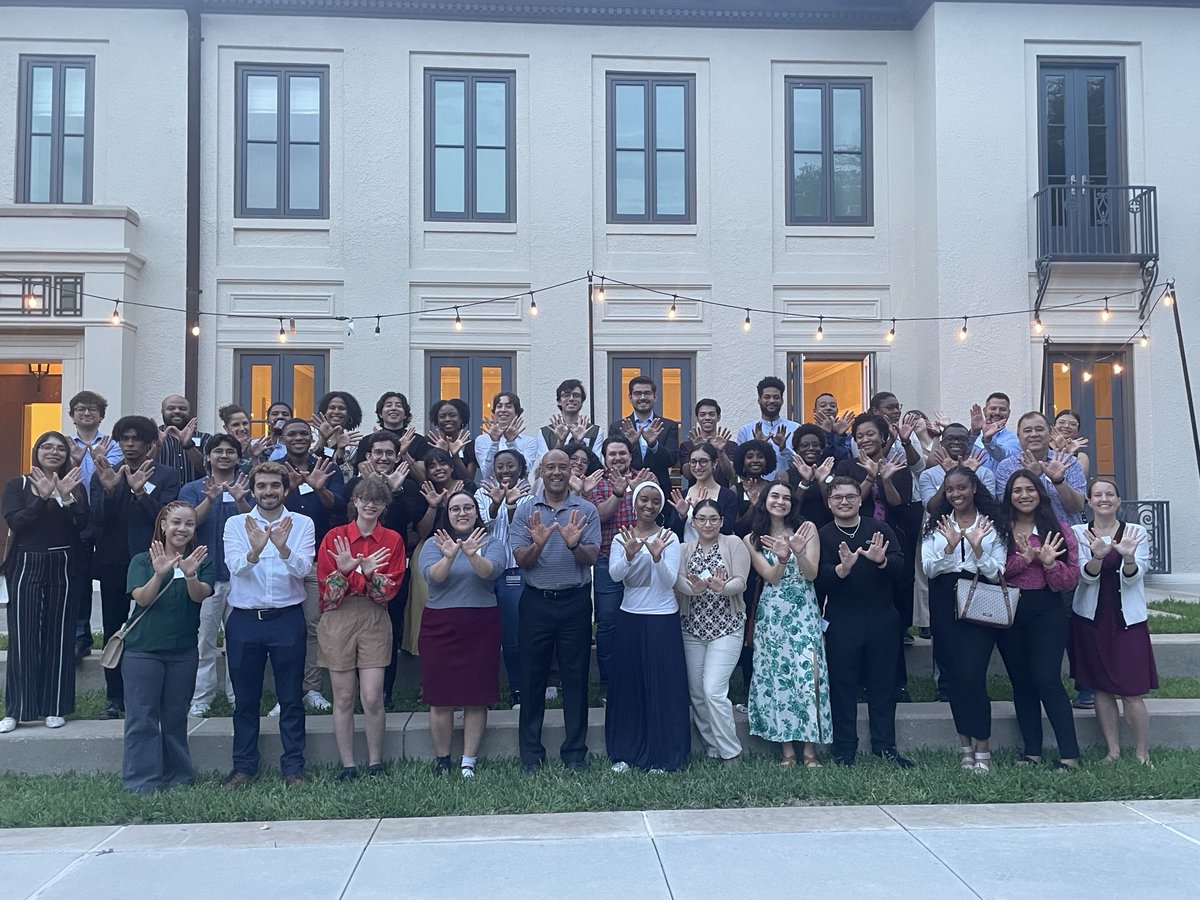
{"x": 661, "y": 458}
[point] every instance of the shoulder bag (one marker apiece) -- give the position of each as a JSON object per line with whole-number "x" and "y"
{"x": 110, "y": 657}
{"x": 984, "y": 603}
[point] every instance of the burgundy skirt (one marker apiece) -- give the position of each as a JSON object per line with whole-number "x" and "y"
{"x": 460, "y": 656}
{"x": 1105, "y": 654}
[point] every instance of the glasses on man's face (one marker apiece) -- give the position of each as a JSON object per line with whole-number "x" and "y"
{"x": 363, "y": 504}
{"x": 87, "y": 409}
{"x": 574, "y": 395}
{"x": 844, "y": 499}
{"x": 641, "y": 395}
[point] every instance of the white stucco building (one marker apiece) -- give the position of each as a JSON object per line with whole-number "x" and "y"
{"x": 322, "y": 161}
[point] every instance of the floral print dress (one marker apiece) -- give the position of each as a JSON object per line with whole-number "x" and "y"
{"x": 789, "y": 693}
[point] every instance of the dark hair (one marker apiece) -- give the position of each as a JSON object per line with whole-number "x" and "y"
{"x": 1106, "y": 479}
{"x": 366, "y": 444}
{"x": 985, "y": 505}
{"x": 770, "y": 382}
{"x": 269, "y": 468}
{"x": 707, "y": 449}
{"x": 294, "y": 420}
{"x": 443, "y": 513}
{"x": 593, "y": 463}
{"x": 513, "y": 398}
{"x": 824, "y": 394}
{"x": 879, "y": 398}
{"x": 384, "y": 398}
{"x": 707, "y": 503}
{"x": 66, "y": 442}
{"x": 216, "y": 441}
{"x": 805, "y": 429}
{"x": 87, "y": 398}
{"x": 707, "y": 401}
{"x": 369, "y": 487}
{"x": 282, "y": 403}
{"x": 642, "y": 379}
{"x": 614, "y": 439}
{"x": 228, "y": 411}
{"x": 167, "y": 509}
{"x": 997, "y": 395}
{"x": 464, "y": 412}
{"x": 739, "y": 456}
{"x": 844, "y": 481}
{"x": 146, "y": 429}
{"x": 571, "y": 384}
{"x": 353, "y": 410}
{"x": 1035, "y": 413}
{"x": 956, "y": 425}
{"x": 760, "y": 519}
{"x": 880, "y": 423}
{"x": 1043, "y": 518}
{"x": 1067, "y": 411}
{"x": 522, "y": 464}
{"x": 438, "y": 455}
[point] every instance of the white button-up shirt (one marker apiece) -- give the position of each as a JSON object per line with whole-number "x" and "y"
{"x": 486, "y": 450}
{"x": 272, "y": 582}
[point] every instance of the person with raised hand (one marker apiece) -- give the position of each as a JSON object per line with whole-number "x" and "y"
{"x": 569, "y": 424}
{"x": 1110, "y": 640}
{"x": 555, "y": 540}
{"x": 167, "y": 585}
{"x": 812, "y": 472}
{"x": 771, "y": 425}
{"x": 1043, "y": 561}
{"x": 646, "y": 724}
{"x": 835, "y": 427}
{"x": 703, "y": 461}
{"x": 1065, "y": 438}
{"x": 360, "y": 567}
{"x": 990, "y": 433}
{"x": 966, "y": 536}
{"x": 789, "y": 692}
{"x": 653, "y": 440}
{"x": 451, "y": 421}
{"x": 707, "y": 430}
{"x": 505, "y": 431}
{"x": 47, "y": 514}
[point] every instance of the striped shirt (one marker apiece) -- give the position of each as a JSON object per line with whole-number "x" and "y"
{"x": 556, "y": 568}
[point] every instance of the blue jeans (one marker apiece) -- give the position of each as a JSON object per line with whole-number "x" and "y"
{"x": 508, "y": 596}
{"x": 249, "y": 643}
{"x": 606, "y": 597}
{"x": 158, "y": 691}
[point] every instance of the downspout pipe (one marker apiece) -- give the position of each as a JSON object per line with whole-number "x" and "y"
{"x": 191, "y": 341}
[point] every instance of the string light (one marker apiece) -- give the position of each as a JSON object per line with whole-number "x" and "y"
{"x": 292, "y": 327}
{"x": 1087, "y": 376}
{"x": 349, "y": 327}
{"x": 1144, "y": 340}
{"x": 377, "y": 324}
{"x": 33, "y": 301}
{"x": 1118, "y": 368}
{"x": 1169, "y": 293}
{"x": 1064, "y": 368}
{"x": 962, "y": 332}
{"x": 115, "y": 318}
{"x": 532, "y": 304}
{"x": 671, "y": 313}
{"x": 196, "y": 329}
{"x": 820, "y": 335}
{"x": 282, "y": 333}
{"x": 1037, "y": 325}
{"x": 598, "y": 294}
{"x": 457, "y": 320}
{"x": 746, "y": 322}
{"x": 891, "y": 335}
{"x": 1104, "y": 313}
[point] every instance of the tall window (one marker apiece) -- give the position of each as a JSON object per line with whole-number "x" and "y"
{"x": 282, "y": 141}
{"x": 54, "y": 137}
{"x": 673, "y": 375}
{"x": 473, "y": 378}
{"x": 828, "y": 130}
{"x": 297, "y": 378}
{"x": 470, "y": 131}
{"x": 849, "y": 377}
{"x": 1094, "y": 384}
{"x": 651, "y": 148}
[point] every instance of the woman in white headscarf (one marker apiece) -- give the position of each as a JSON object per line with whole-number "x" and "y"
{"x": 646, "y": 724}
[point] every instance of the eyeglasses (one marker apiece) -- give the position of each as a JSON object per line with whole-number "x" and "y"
{"x": 700, "y": 461}
{"x": 82, "y": 408}
{"x": 707, "y": 520}
{"x": 642, "y": 394}
{"x": 844, "y": 498}
{"x": 363, "y": 504}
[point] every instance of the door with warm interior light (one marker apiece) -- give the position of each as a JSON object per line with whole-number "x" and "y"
{"x": 297, "y": 378}
{"x": 1097, "y": 386}
{"x": 850, "y": 377}
{"x": 474, "y": 378}
{"x": 30, "y": 405}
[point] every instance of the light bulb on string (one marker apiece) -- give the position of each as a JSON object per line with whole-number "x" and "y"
{"x": 746, "y": 321}
{"x": 820, "y": 335}
{"x": 1038, "y": 328}
{"x": 115, "y": 318}
{"x": 1144, "y": 340}
{"x": 377, "y": 324}
{"x": 1104, "y": 313}
{"x": 672, "y": 312}
{"x": 532, "y": 304}
{"x": 1087, "y": 376}
{"x": 962, "y": 332}
{"x": 458, "y": 325}
{"x": 598, "y": 293}
{"x": 1169, "y": 293}
{"x": 891, "y": 335}
{"x": 282, "y": 334}
{"x": 1117, "y": 368}
{"x": 1064, "y": 368}
{"x": 196, "y": 329}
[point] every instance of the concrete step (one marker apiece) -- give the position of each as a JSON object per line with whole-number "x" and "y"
{"x": 1175, "y": 655}
{"x": 94, "y": 746}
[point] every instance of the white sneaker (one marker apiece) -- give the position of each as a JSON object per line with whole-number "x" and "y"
{"x": 55, "y": 721}
{"x": 8, "y": 724}
{"x": 198, "y": 710}
{"x": 274, "y": 713}
{"x": 316, "y": 701}
{"x": 620, "y": 768}
{"x": 551, "y": 693}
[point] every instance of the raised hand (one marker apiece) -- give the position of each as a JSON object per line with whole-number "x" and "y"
{"x": 261, "y": 446}
{"x": 238, "y": 488}
{"x": 802, "y": 536}
{"x": 847, "y": 557}
{"x": 459, "y": 442}
{"x": 494, "y": 490}
{"x": 578, "y": 430}
{"x": 1056, "y": 465}
{"x": 1030, "y": 462}
{"x": 991, "y": 428}
{"x": 629, "y": 431}
{"x": 717, "y": 580}
{"x": 680, "y": 503}
{"x": 560, "y": 428}
{"x": 493, "y": 429}
{"x": 373, "y": 562}
{"x": 77, "y": 452}
{"x": 590, "y": 481}
{"x": 888, "y": 467}
{"x": 138, "y": 477}
{"x": 539, "y": 531}
{"x": 69, "y": 482}
{"x": 365, "y": 468}
{"x": 514, "y": 428}
{"x": 868, "y": 464}
{"x": 110, "y": 478}
{"x": 973, "y": 460}
{"x": 908, "y": 425}
{"x": 939, "y": 457}
{"x": 720, "y": 439}
{"x": 406, "y": 439}
{"x": 696, "y": 584}
{"x": 825, "y": 469}
{"x": 342, "y": 556}
{"x": 777, "y": 545}
{"x": 191, "y": 563}
{"x": 162, "y": 561}
{"x": 43, "y": 485}
{"x": 212, "y": 489}
{"x": 1098, "y": 545}
{"x": 978, "y": 533}
{"x": 953, "y": 536}
{"x": 344, "y": 439}
{"x": 1051, "y": 549}
{"x": 448, "y": 545}
{"x": 759, "y": 434}
{"x": 639, "y": 476}
{"x": 473, "y": 541}
{"x": 659, "y": 542}
{"x": 1024, "y": 547}
{"x": 824, "y": 421}
{"x": 696, "y": 436}
{"x": 630, "y": 542}
{"x": 876, "y": 551}
{"x": 519, "y": 490}
{"x": 280, "y": 532}
{"x": 842, "y": 423}
{"x": 256, "y": 536}
{"x": 572, "y": 529}
{"x": 977, "y": 421}
{"x": 940, "y": 419}
{"x": 1128, "y": 544}
{"x": 652, "y": 431}
{"x": 432, "y": 495}
{"x": 395, "y": 478}
{"x": 318, "y": 475}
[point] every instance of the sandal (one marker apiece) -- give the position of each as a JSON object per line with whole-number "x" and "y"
{"x": 1026, "y": 760}
{"x": 787, "y": 762}
{"x": 1063, "y": 767}
{"x": 983, "y": 762}
{"x": 811, "y": 762}
{"x": 966, "y": 758}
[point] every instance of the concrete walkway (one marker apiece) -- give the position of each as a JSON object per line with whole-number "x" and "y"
{"x": 1085, "y": 850}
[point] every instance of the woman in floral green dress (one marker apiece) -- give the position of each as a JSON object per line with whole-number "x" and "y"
{"x": 789, "y": 692}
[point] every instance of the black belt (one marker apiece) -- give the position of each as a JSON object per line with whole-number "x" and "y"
{"x": 559, "y": 593}
{"x": 268, "y": 613}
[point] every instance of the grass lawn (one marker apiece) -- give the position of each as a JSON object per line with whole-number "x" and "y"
{"x": 1187, "y": 623}
{"x": 411, "y": 789}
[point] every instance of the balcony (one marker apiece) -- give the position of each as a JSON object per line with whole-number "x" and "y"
{"x": 39, "y": 296}
{"x": 1093, "y": 223}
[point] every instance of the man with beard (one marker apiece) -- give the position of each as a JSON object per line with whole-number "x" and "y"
{"x": 269, "y": 554}
{"x": 555, "y": 541}
{"x": 836, "y": 428}
{"x": 180, "y": 445}
{"x": 569, "y": 424}
{"x": 989, "y": 431}
{"x": 219, "y": 496}
{"x": 125, "y": 501}
{"x": 771, "y": 426}
{"x": 653, "y": 440}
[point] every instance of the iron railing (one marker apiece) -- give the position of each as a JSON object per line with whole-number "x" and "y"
{"x": 1097, "y": 223}
{"x": 1155, "y": 517}
{"x": 41, "y": 295}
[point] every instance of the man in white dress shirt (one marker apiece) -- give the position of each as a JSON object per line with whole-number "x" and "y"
{"x": 505, "y": 431}
{"x": 771, "y": 426}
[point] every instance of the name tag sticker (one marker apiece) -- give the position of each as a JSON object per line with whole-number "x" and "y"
{"x": 306, "y": 488}
{"x": 196, "y": 441}
{"x": 330, "y": 452}
{"x": 227, "y": 498}
{"x": 149, "y": 488}
{"x": 824, "y": 623}
{"x": 177, "y": 573}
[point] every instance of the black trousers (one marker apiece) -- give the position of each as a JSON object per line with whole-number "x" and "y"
{"x": 558, "y": 622}
{"x": 396, "y": 614}
{"x": 861, "y": 648}
{"x": 962, "y": 651}
{"x": 114, "y": 609}
{"x": 1033, "y": 653}
{"x": 908, "y": 529}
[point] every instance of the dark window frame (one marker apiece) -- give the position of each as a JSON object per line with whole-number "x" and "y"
{"x": 651, "y": 364}
{"x": 470, "y": 78}
{"x": 827, "y": 85}
{"x": 799, "y": 406}
{"x": 282, "y": 375}
{"x": 470, "y": 364}
{"x": 25, "y": 124}
{"x": 281, "y": 72}
{"x": 648, "y": 81}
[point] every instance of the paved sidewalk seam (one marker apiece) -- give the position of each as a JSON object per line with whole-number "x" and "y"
{"x": 61, "y": 873}
{"x": 657, "y": 855}
{"x": 358, "y": 862}
{"x": 1175, "y": 831}
{"x": 932, "y": 853}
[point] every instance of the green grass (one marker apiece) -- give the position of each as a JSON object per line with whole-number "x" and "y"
{"x": 1187, "y": 623}
{"x": 410, "y": 789}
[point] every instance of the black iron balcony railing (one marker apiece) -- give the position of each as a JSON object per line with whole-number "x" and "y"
{"x": 1155, "y": 517}
{"x": 41, "y": 295}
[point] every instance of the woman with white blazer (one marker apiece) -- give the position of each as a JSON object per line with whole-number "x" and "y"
{"x": 710, "y": 585}
{"x": 1110, "y": 640}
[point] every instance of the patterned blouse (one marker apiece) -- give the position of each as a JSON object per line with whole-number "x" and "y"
{"x": 710, "y": 615}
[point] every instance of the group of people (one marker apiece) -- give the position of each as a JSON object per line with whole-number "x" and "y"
{"x": 802, "y": 552}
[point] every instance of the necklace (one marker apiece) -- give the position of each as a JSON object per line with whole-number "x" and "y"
{"x": 853, "y": 532}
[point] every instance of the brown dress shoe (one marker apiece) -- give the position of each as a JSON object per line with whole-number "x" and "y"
{"x": 295, "y": 780}
{"x": 235, "y": 780}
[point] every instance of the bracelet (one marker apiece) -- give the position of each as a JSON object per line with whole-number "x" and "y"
{"x": 569, "y": 547}
{"x": 192, "y": 577}
{"x": 1056, "y": 483}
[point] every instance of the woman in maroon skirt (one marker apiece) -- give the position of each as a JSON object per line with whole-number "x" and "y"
{"x": 1110, "y": 640}
{"x": 460, "y": 630}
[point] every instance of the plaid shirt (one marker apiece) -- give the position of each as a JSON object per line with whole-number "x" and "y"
{"x": 624, "y": 518}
